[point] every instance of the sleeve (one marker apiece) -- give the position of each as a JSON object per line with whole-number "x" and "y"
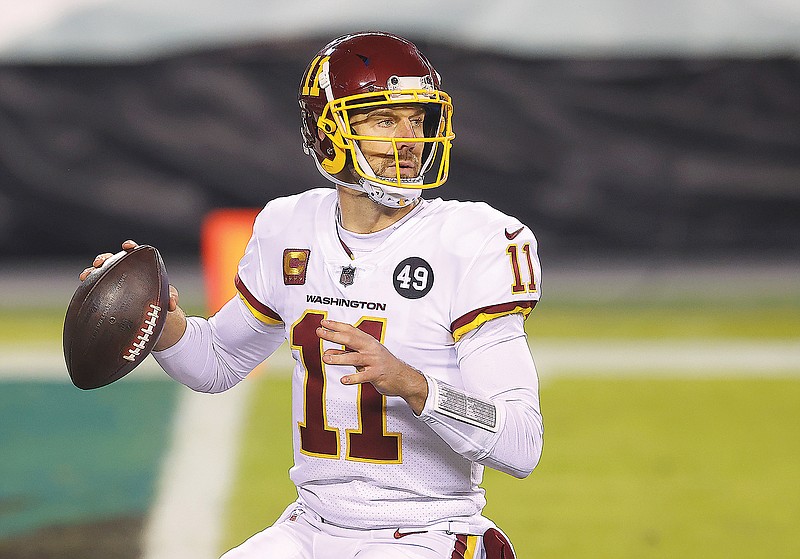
{"x": 255, "y": 277}
{"x": 502, "y": 278}
{"x": 495, "y": 419}
{"x": 214, "y": 355}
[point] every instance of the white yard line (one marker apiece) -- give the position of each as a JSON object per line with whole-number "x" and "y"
{"x": 689, "y": 358}
{"x": 34, "y": 363}
{"x": 553, "y": 358}
{"x": 185, "y": 521}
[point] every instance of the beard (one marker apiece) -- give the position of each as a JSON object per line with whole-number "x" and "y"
{"x": 410, "y": 165}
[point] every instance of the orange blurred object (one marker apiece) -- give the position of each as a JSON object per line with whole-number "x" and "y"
{"x": 223, "y": 238}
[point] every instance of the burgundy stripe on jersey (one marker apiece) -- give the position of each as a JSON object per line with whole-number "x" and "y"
{"x": 502, "y": 308}
{"x": 460, "y": 547}
{"x": 253, "y": 302}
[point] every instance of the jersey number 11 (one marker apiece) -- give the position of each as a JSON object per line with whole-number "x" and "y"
{"x": 370, "y": 442}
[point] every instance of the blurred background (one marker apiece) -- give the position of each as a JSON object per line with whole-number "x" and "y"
{"x": 620, "y": 128}
{"x": 653, "y": 148}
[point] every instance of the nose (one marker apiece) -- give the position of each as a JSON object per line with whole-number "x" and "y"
{"x": 405, "y": 129}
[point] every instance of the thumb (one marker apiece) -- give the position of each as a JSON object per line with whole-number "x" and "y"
{"x": 173, "y": 298}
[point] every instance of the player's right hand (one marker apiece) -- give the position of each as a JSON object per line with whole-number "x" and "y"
{"x": 101, "y": 258}
{"x": 175, "y": 325}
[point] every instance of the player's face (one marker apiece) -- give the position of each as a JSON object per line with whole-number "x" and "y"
{"x": 393, "y": 122}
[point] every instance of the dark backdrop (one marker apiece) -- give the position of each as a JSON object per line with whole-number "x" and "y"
{"x": 636, "y": 157}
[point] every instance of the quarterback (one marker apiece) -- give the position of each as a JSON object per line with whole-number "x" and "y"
{"x": 404, "y": 316}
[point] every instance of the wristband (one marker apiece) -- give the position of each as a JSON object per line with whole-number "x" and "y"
{"x": 458, "y": 405}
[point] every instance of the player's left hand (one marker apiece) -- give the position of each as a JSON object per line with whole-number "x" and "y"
{"x": 373, "y": 363}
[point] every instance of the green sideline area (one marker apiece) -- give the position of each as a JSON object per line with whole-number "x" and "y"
{"x": 765, "y": 318}
{"x": 74, "y": 458}
{"x": 771, "y": 319}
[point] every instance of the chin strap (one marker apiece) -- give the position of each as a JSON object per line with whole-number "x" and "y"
{"x": 389, "y": 196}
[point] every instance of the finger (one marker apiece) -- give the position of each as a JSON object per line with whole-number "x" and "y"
{"x": 355, "y": 378}
{"x": 340, "y": 357}
{"x": 332, "y": 335}
{"x": 337, "y": 326}
{"x": 345, "y": 334}
{"x": 173, "y": 298}
{"x": 100, "y": 258}
{"x": 85, "y": 274}
{"x": 129, "y": 245}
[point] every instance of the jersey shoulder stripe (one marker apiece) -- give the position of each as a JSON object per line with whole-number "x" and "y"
{"x": 473, "y": 319}
{"x": 259, "y": 310}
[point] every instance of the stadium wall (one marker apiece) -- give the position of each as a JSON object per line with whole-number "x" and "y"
{"x": 683, "y": 157}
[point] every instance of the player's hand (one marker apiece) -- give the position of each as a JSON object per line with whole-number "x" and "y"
{"x": 100, "y": 259}
{"x": 175, "y": 325}
{"x": 373, "y": 363}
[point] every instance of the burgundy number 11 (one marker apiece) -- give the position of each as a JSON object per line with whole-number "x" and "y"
{"x": 370, "y": 442}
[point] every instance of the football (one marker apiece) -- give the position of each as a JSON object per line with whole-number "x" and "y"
{"x": 115, "y": 317}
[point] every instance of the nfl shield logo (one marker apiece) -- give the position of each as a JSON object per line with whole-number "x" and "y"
{"x": 348, "y": 275}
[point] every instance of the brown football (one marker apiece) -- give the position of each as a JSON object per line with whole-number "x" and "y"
{"x": 115, "y": 317}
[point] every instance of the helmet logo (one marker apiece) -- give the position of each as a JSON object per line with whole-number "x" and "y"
{"x": 336, "y": 163}
{"x": 311, "y": 81}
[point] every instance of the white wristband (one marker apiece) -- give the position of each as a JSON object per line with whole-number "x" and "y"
{"x": 467, "y": 408}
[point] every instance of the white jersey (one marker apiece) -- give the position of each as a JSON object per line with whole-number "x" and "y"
{"x": 362, "y": 459}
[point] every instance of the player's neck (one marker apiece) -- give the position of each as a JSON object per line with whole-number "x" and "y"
{"x": 359, "y": 214}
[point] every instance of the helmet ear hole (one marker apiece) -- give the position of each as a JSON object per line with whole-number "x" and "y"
{"x": 327, "y": 126}
{"x": 307, "y": 127}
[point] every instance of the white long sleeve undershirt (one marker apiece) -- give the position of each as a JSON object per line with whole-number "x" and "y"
{"x": 497, "y": 367}
{"x": 495, "y": 361}
{"x": 216, "y": 354}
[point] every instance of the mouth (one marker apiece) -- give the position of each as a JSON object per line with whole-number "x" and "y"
{"x": 408, "y": 168}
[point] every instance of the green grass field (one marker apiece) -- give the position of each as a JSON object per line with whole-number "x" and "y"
{"x": 638, "y": 468}
{"x": 683, "y": 319}
{"x": 641, "y": 466}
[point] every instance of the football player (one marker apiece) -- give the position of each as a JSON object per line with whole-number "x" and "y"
{"x": 405, "y": 320}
